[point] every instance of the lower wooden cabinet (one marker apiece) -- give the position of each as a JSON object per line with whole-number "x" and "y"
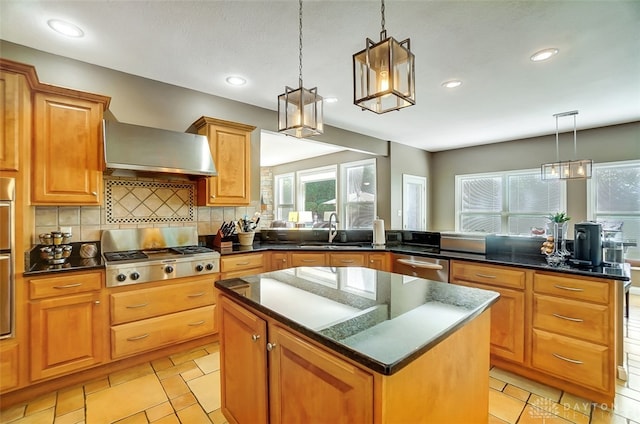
{"x": 240, "y": 265}
{"x": 66, "y": 330}
{"x": 144, "y": 319}
{"x": 279, "y": 261}
{"x": 299, "y": 382}
{"x": 308, "y": 259}
{"x": 508, "y": 313}
{"x": 9, "y": 365}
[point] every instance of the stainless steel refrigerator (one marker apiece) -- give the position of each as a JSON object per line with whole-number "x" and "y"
{"x": 7, "y": 256}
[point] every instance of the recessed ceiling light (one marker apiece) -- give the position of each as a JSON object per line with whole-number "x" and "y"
{"x": 65, "y": 28}
{"x": 544, "y": 54}
{"x": 452, "y": 84}
{"x": 330, "y": 99}
{"x": 235, "y": 80}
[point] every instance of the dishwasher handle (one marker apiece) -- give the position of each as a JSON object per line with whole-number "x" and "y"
{"x": 420, "y": 264}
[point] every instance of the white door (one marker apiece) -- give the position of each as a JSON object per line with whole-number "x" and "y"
{"x": 414, "y": 202}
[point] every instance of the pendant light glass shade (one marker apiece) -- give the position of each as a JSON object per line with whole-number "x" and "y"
{"x": 570, "y": 169}
{"x": 384, "y": 74}
{"x": 300, "y": 110}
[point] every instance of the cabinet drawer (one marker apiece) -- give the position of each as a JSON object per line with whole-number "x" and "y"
{"x": 147, "y": 303}
{"x": 572, "y": 287}
{"x": 574, "y": 360}
{"x": 571, "y": 318}
{"x": 240, "y": 262}
{"x": 307, "y": 259}
{"x": 487, "y": 274}
{"x": 348, "y": 259}
{"x": 64, "y": 284}
{"x": 152, "y": 333}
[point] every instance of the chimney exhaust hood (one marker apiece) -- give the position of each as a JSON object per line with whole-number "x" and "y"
{"x": 137, "y": 148}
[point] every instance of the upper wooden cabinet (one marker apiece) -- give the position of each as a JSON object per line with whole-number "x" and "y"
{"x": 67, "y": 161}
{"x": 15, "y": 117}
{"x": 230, "y": 144}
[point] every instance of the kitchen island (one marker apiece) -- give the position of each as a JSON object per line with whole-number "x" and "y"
{"x": 353, "y": 345}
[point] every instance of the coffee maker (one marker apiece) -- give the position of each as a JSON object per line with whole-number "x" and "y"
{"x": 587, "y": 245}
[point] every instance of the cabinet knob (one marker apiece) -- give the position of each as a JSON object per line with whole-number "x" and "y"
{"x": 255, "y": 337}
{"x": 271, "y": 346}
{"x": 97, "y": 302}
{"x": 94, "y": 193}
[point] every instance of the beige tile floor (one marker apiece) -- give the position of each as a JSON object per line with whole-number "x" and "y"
{"x": 185, "y": 388}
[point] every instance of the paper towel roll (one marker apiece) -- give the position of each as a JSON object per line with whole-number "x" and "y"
{"x": 378, "y": 232}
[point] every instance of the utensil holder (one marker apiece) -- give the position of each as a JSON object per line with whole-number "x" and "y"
{"x": 246, "y": 238}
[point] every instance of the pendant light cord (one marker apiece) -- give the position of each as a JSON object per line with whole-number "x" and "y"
{"x": 383, "y": 33}
{"x": 300, "y": 43}
{"x": 575, "y": 136}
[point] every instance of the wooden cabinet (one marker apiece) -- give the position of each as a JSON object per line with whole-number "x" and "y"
{"x": 67, "y": 150}
{"x": 279, "y": 261}
{"x": 347, "y": 259}
{"x": 239, "y": 265}
{"x": 379, "y": 261}
{"x": 150, "y": 318}
{"x": 508, "y": 313}
{"x": 308, "y": 259}
{"x": 9, "y": 366}
{"x": 573, "y": 330}
{"x": 15, "y": 117}
{"x": 67, "y": 323}
{"x": 303, "y": 380}
{"x": 230, "y": 144}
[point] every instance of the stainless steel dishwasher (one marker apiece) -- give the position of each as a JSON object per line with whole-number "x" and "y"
{"x": 421, "y": 266}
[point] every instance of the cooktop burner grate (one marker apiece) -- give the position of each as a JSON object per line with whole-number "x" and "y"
{"x": 124, "y": 256}
{"x": 191, "y": 250}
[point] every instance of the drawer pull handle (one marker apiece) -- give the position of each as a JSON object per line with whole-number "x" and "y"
{"x": 485, "y": 275}
{"x": 197, "y": 323}
{"x": 255, "y": 337}
{"x": 347, "y": 261}
{"x": 576, "y": 289}
{"x": 242, "y": 263}
{"x": 196, "y": 294}
{"x": 420, "y": 264}
{"x": 568, "y": 318}
{"x": 573, "y": 361}
{"x": 309, "y": 260}
{"x": 140, "y": 337}
{"x": 139, "y": 305}
{"x": 68, "y": 286}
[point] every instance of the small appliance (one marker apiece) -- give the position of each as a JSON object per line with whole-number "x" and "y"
{"x": 587, "y": 244}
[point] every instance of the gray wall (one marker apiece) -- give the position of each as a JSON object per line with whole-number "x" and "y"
{"x": 606, "y": 144}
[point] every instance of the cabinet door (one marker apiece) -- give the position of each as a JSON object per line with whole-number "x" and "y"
{"x": 230, "y": 145}
{"x": 348, "y": 259}
{"x": 308, "y": 259}
{"x": 67, "y": 151}
{"x": 9, "y": 365}
{"x": 15, "y": 117}
{"x": 507, "y": 322}
{"x": 243, "y": 364}
{"x": 67, "y": 334}
{"x": 379, "y": 261}
{"x": 307, "y": 383}
{"x": 279, "y": 260}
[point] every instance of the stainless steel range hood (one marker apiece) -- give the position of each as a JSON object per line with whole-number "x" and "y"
{"x": 137, "y": 148}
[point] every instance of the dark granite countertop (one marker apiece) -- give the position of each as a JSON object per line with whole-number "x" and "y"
{"x": 38, "y": 266}
{"x": 379, "y": 319}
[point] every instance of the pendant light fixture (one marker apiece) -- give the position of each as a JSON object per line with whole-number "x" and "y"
{"x": 384, "y": 74}
{"x": 570, "y": 169}
{"x": 300, "y": 110}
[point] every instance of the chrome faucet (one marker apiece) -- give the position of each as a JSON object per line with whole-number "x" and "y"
{"x": 333, "y": 227}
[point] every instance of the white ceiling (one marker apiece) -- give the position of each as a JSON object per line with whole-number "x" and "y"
{"x": 486, "y": 44}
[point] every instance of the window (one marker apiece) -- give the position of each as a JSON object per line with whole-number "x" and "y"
{"x": 284, "y": 196}
{"x": 359, "y": 193}
{"x": 510, "y": 202}
{"x": 414, "y": 202}
{"x": 317, "y": 192}
{"x": 613, "y": 194}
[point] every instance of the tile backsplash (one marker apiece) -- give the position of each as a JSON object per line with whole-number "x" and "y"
{"x": 138, "y": 203}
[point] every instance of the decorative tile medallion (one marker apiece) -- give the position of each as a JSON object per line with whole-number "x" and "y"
{"x": 132, "y": 202}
